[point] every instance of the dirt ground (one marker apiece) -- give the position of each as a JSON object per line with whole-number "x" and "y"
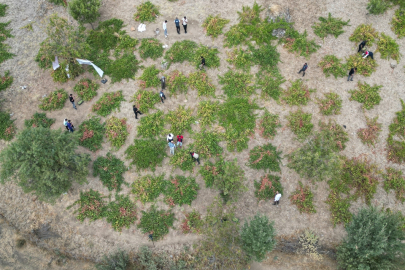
{"x": 91, "y": 241}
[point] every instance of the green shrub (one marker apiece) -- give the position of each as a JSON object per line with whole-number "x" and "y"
{"x": 147, "y": 188}
{"x": 121, "y": 213}
{"x": 374, "y": 241}
{"x": 55, "y": 101}
{"x": 267, "y": 187}
{"x": 151, "y": 125}
{"x": 147, "y": 153}
{"x": 59, "y": 2}
{"x": 265, "y": 157}
{"x": 91, "y": 133}
{"x": 213, "y": 25}
{"x": 85, "y": 11}
{"x": 378, "y": 6}
{"x": 237, "y": 84}
{"x": 210, "y": 55}
{"x": 329, "y": 26}
{"x": 3, "y": 8}
{"x": 111, "y": 170}
{"x": 298, "y": 93}
{"x": 365, "y": 66}
{"x": 192, "y": 223}
{"x": 299, "y": 43}
{"x": 398, "y": 23}
{"x": 156, "y": 222}
{"x": 4, "y": 54}
{"x": 270, "y": 85}
{"x": 199, "y": 81}
{"x": 337, "y": 135}
{"x": 303, "y": 199}
{"x": 364, "y": 32}
{"x": 181, "y": 51}
{"x": 300, "y": 123}
{"x": 388, "y": 47}
{"x": 267, "y": 124}
{"x": 236, "y": 35}
{"x": 396, "y": 140}
{"x": 116, "y": 131}
{"x": 5, "y": 33}
{"x": 331, "y": 65}
{"x": 395, "y": 180}
{"x": 206, "y": 144}
{"x": 369, "y": 135}
{"x": 116, "y": 261}
{"x": 177, "y": 82}
{"x": 62, "y": 76}
{"x": 207, "y": 112}
{"x": 91, "y": 206}
{"x": 149, "y": 77}
{"x": 183, "y": 160}
{"x": 6, "y": 81}
{"x": 124, "y": 67}
{"x": 86, "y": 89}
{"x": 241, "y": 59}
{"x": 266, "y": 56}
{"x": 180, "y": 119}
{"x": 39, "y": 120}
{"x": 151, "y": 47}
{"x": 145, "y": 100}
{"x": 331, "y": 104}
{"x": 230, "y": 115}
{"x": 366, "y": 94}
{"x": 107, "y": 103}
{"x": 7, "y": 127}
{"x": 103, "y": 37}
{"x": 235, "y": 140}
{"x": 339, "y": 208}
{"x": 181, "y": 190}
{"x": 146, "y": 12}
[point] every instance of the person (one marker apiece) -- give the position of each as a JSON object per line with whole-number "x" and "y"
{"x": 368, "y": 53}
{"x": 177, "y": 22}
{"x": 71, "y": 98}
{"x": 162, "y": 96}
{"x": 165, "y": 28}
{"x": 172, "y": 146}
{"x": 351, "y": 72}
{"x": 70, "y": 127}
{"x": 195, "y": 156}
{"x": 202, "y": 62}
{"x": 185, "y": 24}
{"x": 69, "y": 121}
{"x": 163, "y": 81}
{"x": 136, "y": 111}
{"x": 361, "y": 45}
{"x": 65, "y": 124}
{"x": 180, "y": 140}
{"x": 277, "y": 198}
{"x": 169, "y": 137}
{"x": 303, "y": 69}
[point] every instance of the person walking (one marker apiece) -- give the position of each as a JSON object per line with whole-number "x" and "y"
{"x": 165, "y": 28}
{"x": 136, "y": 111}
{"x": 277, "y": 198}
{"x": 202, "y": 66}
{"x": 351, "y": 73}
{"x": 170, "y": 137}
{"x": 180, "y": 140}
{"x": 368, "y": 53}
{"x": 361, "y": 45}
{"x": 70, "y": 121}
{"x": 303, "y": 69}
{"x": 65, "y": 122}
{"x": 185, "y": 24}
{"x": 177, "y": 22}
{"x": 71, "y": 98}
{"x": 162, "y": 96}
{"x": 172, "y": 146}
{"x": 70, "y": 127}
{"x": 163, "y": 82}
{"x": 195, "y": 156}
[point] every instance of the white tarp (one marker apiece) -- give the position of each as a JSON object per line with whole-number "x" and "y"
{"x": 142, "y": 27}
{"x": 55, "y": 64}
{"x": 87, "y": 62}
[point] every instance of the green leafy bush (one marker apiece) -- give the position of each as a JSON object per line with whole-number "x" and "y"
{"x": 364, "y": 32}
{"x": 207, "y": 112}
{"x": 149, "y": 77}
{"x": 151, "y": 47}
{"x": 177, "y": 82}
{"x": 395, "y": 180}
{"x": 388, "y": 47}
{"x": 103, "y": 37}
{"x": 91, "y": 206}
{"x": 156, "y": 222}
{"x": 337, "y": 135}
{"x": 147, "y": 153}
{"x": 121, "y": 213}
{"x": 303, "y": 199}
{"x": 329, "y": 26}
{"x": 378, "y": 6}
{"x": 300, "y": 123}
{"x": 86, "y": 89}
{"x": 151, "y": 125}
{"x": 237, "y": 84}
{"x": 147, "y": 188}
{"x": 199, "y": 81}
{"x": 331, "y": 104}
{"x": 396, "y": 138}
{"x": 146, "y": 12}
{"x": 230, "y": 115}
{"x": 206, "y": 144}
{"x": 55, "y": 101}
{"x": 181, "y": 190}
{"x": 6, "y": 81}
{"x": 59, "y": 2}
{"x": 39, "y": 120}
{"x": 180, "y": 119}
{"x": 266, "y": 56}
{"x": 210, "y": 55}
{"x": 192, "y": 223}
{"x": 267, "y": 187}
{"x": 241, "y": 59}
{"x": 265, "y": 157}
{"x": 181, "y": 51}
{"x": 298, "y": 93}
{"x": 124, "y": 67}
{"x": 3, "y": 8}
{"x": 4, "y": 54}
{"x": 183, "y": 160}
{"x": 110, "y": 170}
{"x": 299, "y": 43}
{"x": 108, "y": 102}
{"x": 7, "y": 127}
{"x": 237, "y": 35}
{"x": 235, "y": 140}
{"x": 331, "y": 65}
{"x": 213, "y": 25}
{"x": 366, "y": 94}
{"x": 62, "y": 76}
{"x": 369, "y": 135}
{"x": 365, "y": 66}
{"x": 267, "y": 124}
{"x": 91, "y": 133}
{"x": 116, "y": 131}
{"x": 270, "y": 84}
{"x": 398, "y": 23}
{"x": 116, "y": 261}
{"x": 85, "y": 11}
{"x": 145, "y": 100}
{"x": 339, "y": 208}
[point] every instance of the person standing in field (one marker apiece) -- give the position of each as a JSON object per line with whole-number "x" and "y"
{"x": 303, "y": 69}
{"x": 361, "y": 45}
{"x": 172, "y": 146}
{"x": 162, "y": 95}
{"x": 165, "y": 28}
{"x": 136, "y": 111}
{"x": 277, "y": 198}
{"x": 180, "y": 140}
{"x": 177, "y": 22}
{"x": 169, "y": 137}
{"x": 195, "y": 156}
{"x": 185, "y": 24}
{"x": 65, "y": 124}
{"x": 72, "y": 100}
{"x": 70, "y": 127}
{"x": 351, "y": 73}
{"x": 202, "y": 66}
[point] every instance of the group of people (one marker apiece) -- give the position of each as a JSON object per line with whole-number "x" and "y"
{"x": 177, "y": 23}
{"x": 68, "y": 125}
{"x": 170, "y": 138}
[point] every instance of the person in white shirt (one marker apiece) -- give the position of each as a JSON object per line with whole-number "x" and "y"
{"x": 195, "y": 156}
{"x": 170, "y": 137}
{"x": 185, "y": 24}
{"x": 165, "y": 28}
{"x": 65, "y": 124}
{"x": 277, "y": 198}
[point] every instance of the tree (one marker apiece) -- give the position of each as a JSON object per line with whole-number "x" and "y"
{"x": 373, "y": 241}
{"x": 85, "y": 11}
{"x": 116, "y": 261}
{"x": 44, "y": 161}
{"x": 258, "y": 237}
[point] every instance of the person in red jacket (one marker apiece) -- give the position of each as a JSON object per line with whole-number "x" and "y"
{"x": 180, "y": 140}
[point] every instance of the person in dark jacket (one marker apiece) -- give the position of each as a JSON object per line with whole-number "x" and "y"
{"x": 72, "y": 100}
{"x": 304, "y": 67}
{"x": 195, "y": 157}
{"x": 136, "y": 111}
{"x": 163, "y": 81}
{"x": 202, "y": 62}
{"x": 162, "y": 96}
{"x": 351, "y": 73}
{"x": 361, "y": 45}
{"x": 367, "y": 54}
{"x": 177, "y": 22}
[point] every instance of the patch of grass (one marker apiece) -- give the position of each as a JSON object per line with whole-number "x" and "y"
{"x": 91, "y": 206}
{"x": 39, "y": 120}
{"x": 266, "y": 188}
{"x": 5, "y": 33}
{"x": 369, "y": 135}
{"x": 180, "y": 119}
{"x": 365, "y": 66}
{"x": 192, "y": 223}
{"x": 240, "y": 59}
{"x": 28, "y": 26}
{"x": 177, "y": 82}
{"x": 3, "y": 8}
{"x": 111, "y": 170}
{"x": 146, "y": 12}
{"x": 183, "y": 160}
{"x": 207, "y": 112}
{"x": 20, "y": 243}
{"x": 213, "y": 25}
{"x": 303, "y": 199}
{"x": 199, "y": 81}
{"x": 59, "y": 2}
{"x": 378, "y": 6}
{"x": 103, "y": 37}
{"x": 396, "y": 137}
{"x": 388, "y": 47}
{"x": 339, "y": 208}
{"x": 398, "y": 23}
{"x": 270, "y": 85}
{"x": 6, "y": 81}
{"x": 92, "y": 133}
{"x": 151, "y": 47}
{"x": 236, "y": 35}
{"x": 329, "y": 26}
{"x": 145, "y": 100}
{"x": 206, "y": 144}
{"x": 86, "y": 89}
{"x": 149, "y": 77}
{"x": 146, "y": 154}
{"x": 151, "y": 125}
{"x": 395, "y": 180}
{"x": 121, "y": 213}
{"x": 336, "y": 134}
{"x": 7, "y": 127}
{"x": 331, "y": 104}
{"x": 331, "y": 65}
{"x": 236, "y": 141}
{"x": 364, "y": 32}
{"x": 210, "y": 55}
{"x": 124, "y": 67}
{"x": 265, "y": 157}
{"x": 299, "y": 43}
{"x": 55, "y": 101}
{"x": 116, "y": 131}
{"x": 107, "y": 103}
{"x": 181, "y": 51}
{"x": 4, "y": 54}
{"x": 267, "y": 125}
{"x": 300, "y": 124}
{"x": 147, "y": 188}
{"x": 230, "y": 115}
{"x": 237, "y": 84}
{"x": 298, "y": 93}
{"x": 181, "y": 190}
{"x": 366, "y": 94}
{"x": 156, "y": 222}
{"x": 266, "y": 56}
